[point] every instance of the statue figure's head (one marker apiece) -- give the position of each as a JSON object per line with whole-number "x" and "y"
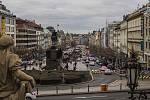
{"x": 6, "y": 41}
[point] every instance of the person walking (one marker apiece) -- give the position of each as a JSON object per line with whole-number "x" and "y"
{"x": 87, "y": 65}
{"x": 36, "y": 63}
{"x": 75, "y": 64}
{"x": 40, "y": 64}
{"x": 74, "y": 68}
{"x": 25, "y": 66}
{"x": 67, "y": 66}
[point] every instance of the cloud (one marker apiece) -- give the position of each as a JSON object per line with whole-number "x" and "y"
{"x": 72, "y": 15}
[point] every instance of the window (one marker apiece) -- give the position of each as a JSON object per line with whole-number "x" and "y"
{"x": 149, "y": 21}
{"x": 7, "y": 28}
{"x": 149, "y": 45}
{"x": 146, "y": 20}
{"x": 7, "y": 20}
{"x": 146, "y": 32}
{"x": 12, "y": 29}
{"x": 21, "y": 30}
{"x": 146, "y": 44}
{"x": 12, "y": 22}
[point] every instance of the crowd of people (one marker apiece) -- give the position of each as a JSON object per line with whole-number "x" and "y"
{"x": 74, "y": 65}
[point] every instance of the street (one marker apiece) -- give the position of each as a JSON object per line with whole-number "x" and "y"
{"x": 99, "y": 96}
{"x": 98, "y": 79}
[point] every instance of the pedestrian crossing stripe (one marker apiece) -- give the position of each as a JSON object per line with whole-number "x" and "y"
{"x": 144, "y": 77}
{"x": 96, "y": 72}
{"x": 147, "y": 77}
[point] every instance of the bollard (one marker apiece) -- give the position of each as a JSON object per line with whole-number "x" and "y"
{"x": 37, "y": 91}
{"x": 56, "y": 90}
{"x": 88, "y": 88}
{"x": 104, "y": 87}
{"x": 71, "y": 89}
{"x": 120, "y": 86}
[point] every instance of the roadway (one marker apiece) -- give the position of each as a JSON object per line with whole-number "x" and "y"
{"x": 98, "y": 79}
{"x": 99, "y": 96}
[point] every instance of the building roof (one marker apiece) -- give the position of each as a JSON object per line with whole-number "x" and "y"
{"x": 24, "y": 23}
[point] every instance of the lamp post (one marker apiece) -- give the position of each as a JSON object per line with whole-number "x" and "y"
{"x": 133, "y": 71}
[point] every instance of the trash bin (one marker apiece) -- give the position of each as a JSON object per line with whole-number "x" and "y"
{"x": 104, "y": 87}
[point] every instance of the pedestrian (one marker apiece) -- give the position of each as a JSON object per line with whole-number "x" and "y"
{"x": 36, "y": 64}
{"x": 87, "y": 65}
{"x": 66, "y": 66}
{"x": 74, "y": 68}
{"x": 25, "y": 66}
{"x": 40, "y": 64}
{"x": 75, "y": 64}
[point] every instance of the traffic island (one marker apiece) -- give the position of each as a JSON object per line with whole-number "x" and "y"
{"x": 50, "y": 77}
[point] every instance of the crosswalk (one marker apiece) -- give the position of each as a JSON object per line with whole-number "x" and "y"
{"x": 144, "y": 77}
{"x": 96, "y": 71}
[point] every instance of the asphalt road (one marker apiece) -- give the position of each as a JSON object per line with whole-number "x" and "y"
{"x": 98, "y": 79}
{"x": 100, "y": 96}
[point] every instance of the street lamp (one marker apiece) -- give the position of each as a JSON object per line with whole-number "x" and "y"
{"x": 133, "y": 69}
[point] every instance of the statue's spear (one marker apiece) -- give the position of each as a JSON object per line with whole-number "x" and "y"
{"x": 3, "y": 27}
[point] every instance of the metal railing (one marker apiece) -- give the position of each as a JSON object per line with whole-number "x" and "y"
{"x": 76, "y": 89}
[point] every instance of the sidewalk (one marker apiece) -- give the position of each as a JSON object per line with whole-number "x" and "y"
{"x": 118, "y": 85}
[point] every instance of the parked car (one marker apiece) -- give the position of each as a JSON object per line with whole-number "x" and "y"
{"x": 30, "y": 62}
{"x": 87, "y": 61}
{"x": 103, "y": 68}
{"x": 78, "y": 59}
{"x": 92, "y": 63}
{"x": 91, "y": 58}
{"x": 108, "y": 72}
{"x": 31, "y": 96}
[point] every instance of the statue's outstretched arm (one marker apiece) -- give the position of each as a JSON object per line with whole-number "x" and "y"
{"x": 24, "y": 77}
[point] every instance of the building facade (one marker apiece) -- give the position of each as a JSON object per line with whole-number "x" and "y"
{"x": 147, "y": 37}
{"x": 47, "y": 39}
{"x": 123, "y": 36}
{"x": 10, "y": 21}
{"x": 113, "y": 30}
{"x": 135, "y": 33}
{"x": 27, "y": 37}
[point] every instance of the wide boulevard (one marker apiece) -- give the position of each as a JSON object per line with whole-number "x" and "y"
{"x": 99, "y": 96}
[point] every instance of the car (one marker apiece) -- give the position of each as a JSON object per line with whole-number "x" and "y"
{"x": 84, "y": 58}
{"x": 103, "y": 68}
{"x": 31, "y": 62}
{"x": 108, "y": 72}
{"x": 78, "y": 59}
{"x": 91, "y": 58}
{"x": 31, "y": 96}
{"x": 92, "y": 63}
{"x": 87, "y": 61}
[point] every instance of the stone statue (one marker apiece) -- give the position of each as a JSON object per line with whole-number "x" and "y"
{"x": 14, "y": 83}
{"x": 54, "y": 38}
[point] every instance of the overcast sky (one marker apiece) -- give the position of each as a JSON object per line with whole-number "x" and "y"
{"x": 79, "y": 16}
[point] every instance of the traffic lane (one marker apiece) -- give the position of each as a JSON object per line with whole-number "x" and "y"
{"x": 99, "y": 96}
{"x": 104, "y": 79}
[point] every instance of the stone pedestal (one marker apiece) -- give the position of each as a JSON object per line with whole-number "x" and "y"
{"x": 53, "y": 60}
